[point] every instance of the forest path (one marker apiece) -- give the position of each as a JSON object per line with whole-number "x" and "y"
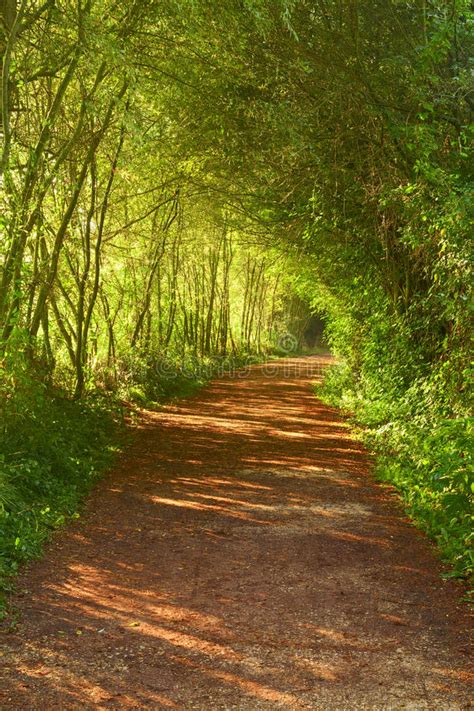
{"x": 239, "y": 557}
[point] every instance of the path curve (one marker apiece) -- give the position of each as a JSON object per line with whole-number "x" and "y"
{"x": 239, "y": 557}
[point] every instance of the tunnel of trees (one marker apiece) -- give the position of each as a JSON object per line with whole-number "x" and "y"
{"x": 186, "y": 183}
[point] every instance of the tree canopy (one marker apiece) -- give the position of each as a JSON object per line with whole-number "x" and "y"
{"x": 192, "y": 179}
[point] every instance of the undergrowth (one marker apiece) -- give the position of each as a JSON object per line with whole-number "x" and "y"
{"x": 422, "y": 448}
{"x": 152, "y": 380}
{"x": 52, "y": 450}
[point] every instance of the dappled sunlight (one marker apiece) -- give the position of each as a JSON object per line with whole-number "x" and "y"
{"x": 185, "y": 615}
{"x": 357, "y": 538}
{"x": 238, "y": 483}
{"x": 209, "y": 481}
{"x": 242, "y": 565}
{"x": 395, "y": 619}
{"x": 188, "y": 641}
{"x": 320, "y": 670}
{"x": 186, "y": 504}
{"x": 339, "y": 481}
{"x": 111, "y": 602}
{"x": 237, "y": 502}
{"x": 330, "y": 634}
{"x": 254, "y": 688}
{"x": 284, "y": 433}
{"x": 65, "y": 676}
{"x": 357, "y": 639}
{"x": 93, "y": 690}
{"x": 325, "y": 513}
{"x": 458, "y": 674}
{"x": 410, "y": 569}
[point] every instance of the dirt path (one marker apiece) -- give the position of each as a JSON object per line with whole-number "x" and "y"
{"x": 240, "y": 557}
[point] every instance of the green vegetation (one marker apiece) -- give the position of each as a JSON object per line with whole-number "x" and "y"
{"x": 184, "y": 182}
{"x": 423, "y": 450}
{"x": 52, "y": 450}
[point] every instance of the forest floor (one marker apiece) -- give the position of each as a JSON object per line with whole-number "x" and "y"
{"x": 239, "y": 556}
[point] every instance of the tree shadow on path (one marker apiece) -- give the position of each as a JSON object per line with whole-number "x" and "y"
{"x": 239, "y": 557}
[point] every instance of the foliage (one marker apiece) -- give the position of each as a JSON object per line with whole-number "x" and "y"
{"x": 152, "y": 381}
{"x": 427, "y": 456}
{"x": 176, "y": 175}
{"x": 53, "y": 450}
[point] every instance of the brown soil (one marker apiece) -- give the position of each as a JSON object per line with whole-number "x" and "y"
{"x": 239, "y": 557}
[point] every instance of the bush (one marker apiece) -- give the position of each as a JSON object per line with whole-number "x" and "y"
{"x": 151, "y": 380}
{"x": 52, "y": 450}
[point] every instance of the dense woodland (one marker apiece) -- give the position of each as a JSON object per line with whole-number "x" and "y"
{"x": 183, "y": 182}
